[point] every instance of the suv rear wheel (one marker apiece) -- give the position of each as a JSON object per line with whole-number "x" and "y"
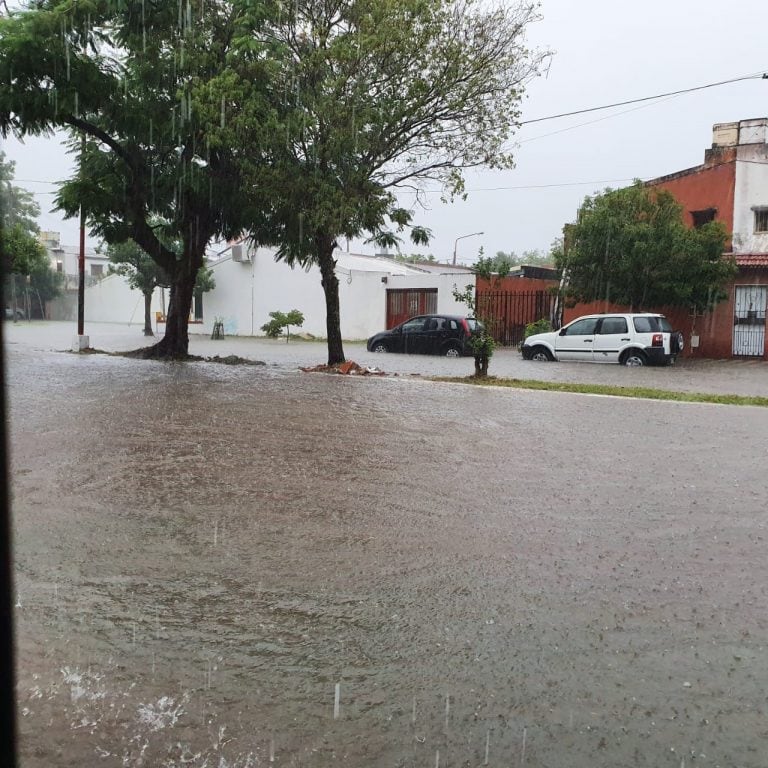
{"x": 452, "y": 351}
{"x": 634, "y": 358}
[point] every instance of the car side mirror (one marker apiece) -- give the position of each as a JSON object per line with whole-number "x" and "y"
{"x": 562, "y": 332}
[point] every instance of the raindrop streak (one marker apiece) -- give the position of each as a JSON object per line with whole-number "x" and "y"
{"x": 447, "y": 709}
{"x": 437, "y": 758}
{"x": 336, "y": 699}
{"x": 522, "y": 752}
{"x": 487, "y": 746}
{"x": 216, "y": 533}
{"x": 413, "y": 711}
{"x": 272, "y": 749}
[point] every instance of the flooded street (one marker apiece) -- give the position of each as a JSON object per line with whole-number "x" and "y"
{"x": 249, "y": 566}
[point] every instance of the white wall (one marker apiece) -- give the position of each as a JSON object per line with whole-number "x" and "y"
{"x": 246, "y": 293}
{"x": 111, "y": 300}
{"x": 751, "y": 189}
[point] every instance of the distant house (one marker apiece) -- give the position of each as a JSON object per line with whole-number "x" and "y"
{"x": 375, "y": 292}
{"x": 731, "y": 186}
{"x": 64, "y": 259}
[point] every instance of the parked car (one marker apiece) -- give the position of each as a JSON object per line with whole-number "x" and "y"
{"x": 9, "y": 314}
{"x": 628, "y": 339}
{"x": 447, "y": 335}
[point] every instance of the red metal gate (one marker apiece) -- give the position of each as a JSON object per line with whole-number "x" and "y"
{"x": 403, "y": 303}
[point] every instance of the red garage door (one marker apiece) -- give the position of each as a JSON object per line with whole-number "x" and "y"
{"x": 403, "y": 303}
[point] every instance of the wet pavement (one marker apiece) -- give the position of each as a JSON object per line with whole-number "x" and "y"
{"x": 740, "y": 377}
{"x": 242, "y": 566}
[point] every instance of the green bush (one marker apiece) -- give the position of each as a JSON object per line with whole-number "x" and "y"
{"x": 280, "y": 320}
{"x": 540, "y": 326}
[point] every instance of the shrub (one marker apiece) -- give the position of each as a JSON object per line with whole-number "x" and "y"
{"x": 540, "y": 326}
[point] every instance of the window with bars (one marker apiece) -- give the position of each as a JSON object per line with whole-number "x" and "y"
{"x": 761, "y": 220}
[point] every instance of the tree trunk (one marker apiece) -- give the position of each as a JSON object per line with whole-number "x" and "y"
{"x": 330, "y": 282}
{"x": 148, "y": 314}
{"x": 175, "y": 344}
{"x": 481, "y": 366}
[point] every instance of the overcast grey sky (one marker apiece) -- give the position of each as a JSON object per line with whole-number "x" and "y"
{"x": 605, "y": 51}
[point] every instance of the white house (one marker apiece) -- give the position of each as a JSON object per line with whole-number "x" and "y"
{"x": 375, "y": 292}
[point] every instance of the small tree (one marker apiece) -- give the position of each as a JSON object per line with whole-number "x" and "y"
{"x": 131, "y": 261}
{"x": 281, "y": 320}
{"x": 482, "y": 342}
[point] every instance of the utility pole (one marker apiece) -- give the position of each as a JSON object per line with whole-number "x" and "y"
{"x": 81, "y": 341}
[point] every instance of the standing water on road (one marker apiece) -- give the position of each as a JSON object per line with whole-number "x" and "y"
{"x": 238, "y": 566}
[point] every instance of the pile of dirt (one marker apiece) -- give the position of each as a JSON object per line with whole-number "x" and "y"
{"x": 233, "y": 360}
{"x": 347, "y": 368}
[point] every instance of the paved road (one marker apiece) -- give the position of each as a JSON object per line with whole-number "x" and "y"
{"x": 747, "y": 377}
{"x": 207, "y": 556}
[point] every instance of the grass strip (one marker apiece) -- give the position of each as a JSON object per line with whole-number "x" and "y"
{"x": 609, "y": 389}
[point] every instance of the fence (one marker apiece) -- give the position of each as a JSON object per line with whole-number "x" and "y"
{"x": 507, "y": 313}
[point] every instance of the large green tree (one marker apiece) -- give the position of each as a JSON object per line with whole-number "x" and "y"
{"x": 17, "y": 205}
{"x": 143, "y": 88}
{"x": 380, "y": 95}
{"x": 25, "y": 264}
{"x": 632, "y": 247}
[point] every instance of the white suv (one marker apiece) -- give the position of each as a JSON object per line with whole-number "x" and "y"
{"x": 628, "y": 339}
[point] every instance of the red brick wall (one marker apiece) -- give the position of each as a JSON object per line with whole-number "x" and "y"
{"x": 715, "y": 329}
{"x": 707, "y": 188}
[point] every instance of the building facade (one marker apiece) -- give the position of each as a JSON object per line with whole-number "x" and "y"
{"x": 731, "y": 186}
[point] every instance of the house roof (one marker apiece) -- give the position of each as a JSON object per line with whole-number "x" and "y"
{"x": 751, "y": 260}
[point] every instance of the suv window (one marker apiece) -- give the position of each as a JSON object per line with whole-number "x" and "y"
{"x": 647, "y": 324}
{"x": 613, "y": 325}
{"x": 582, "y": 327}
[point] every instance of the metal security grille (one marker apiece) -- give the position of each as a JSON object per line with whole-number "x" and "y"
{"x": 749, "y": 320}
{"x": 403, "y": 303}
{"x": 508, "y": 313}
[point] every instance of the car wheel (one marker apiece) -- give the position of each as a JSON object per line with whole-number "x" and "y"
{"x": 379, "y": 346}
{"x": 452, "y": 351}
{"x": 634, "y": 358}
{"x": 541, "y": 355}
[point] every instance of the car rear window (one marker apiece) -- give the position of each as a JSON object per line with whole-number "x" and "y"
{"x": 474, "y": 325}
{"x": 647, "y": 324}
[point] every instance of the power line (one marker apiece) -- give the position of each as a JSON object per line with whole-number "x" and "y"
{"x": 754, "y": 76}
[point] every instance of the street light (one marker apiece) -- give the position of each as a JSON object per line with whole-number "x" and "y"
{"x": 474, "y": 234}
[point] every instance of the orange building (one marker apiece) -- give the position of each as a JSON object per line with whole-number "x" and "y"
{"x": 731, "y": 186}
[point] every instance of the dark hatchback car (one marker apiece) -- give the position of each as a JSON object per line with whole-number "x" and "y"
{"x": 447, "y": 335}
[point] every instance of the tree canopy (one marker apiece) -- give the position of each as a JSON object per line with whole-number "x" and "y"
{"x": 22, "y": 253}
{"x": 143, "y": 91}
{"x": 381, "y": 95}
{"x": 632, "y": 247}
{"x": 293, "y": 123}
